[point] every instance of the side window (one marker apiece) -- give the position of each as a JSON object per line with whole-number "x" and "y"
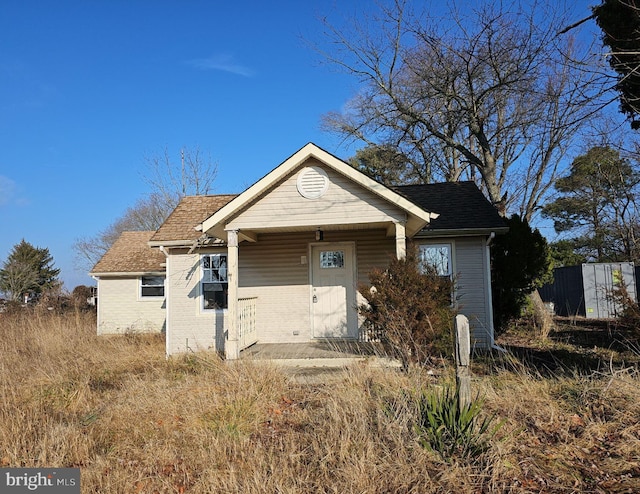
{"x": 438, "y": 256}
{"x": 215, "y": 284}
{"x": 152, "y": 286}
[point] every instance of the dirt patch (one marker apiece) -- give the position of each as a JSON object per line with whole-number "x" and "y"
{"x": 575, "y": 345}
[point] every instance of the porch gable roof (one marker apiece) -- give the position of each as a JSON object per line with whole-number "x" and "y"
{"x": 417, "y": 216}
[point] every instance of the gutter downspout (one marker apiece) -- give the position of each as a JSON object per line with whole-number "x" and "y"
{"x": 493, "y": 345}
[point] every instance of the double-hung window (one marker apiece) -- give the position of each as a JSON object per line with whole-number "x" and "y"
{"x": 215, "y": 284}
{"x": 151, "y": 286}
{"x": 438, "y": 256}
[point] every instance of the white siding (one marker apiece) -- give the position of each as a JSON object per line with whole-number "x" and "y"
{"x": 344, "y": 203}
{"x": 275, "y": 269}
{"x": 474, "y": 294}
{"x": 190, "y": 328}
{"x": 122, "y": 310}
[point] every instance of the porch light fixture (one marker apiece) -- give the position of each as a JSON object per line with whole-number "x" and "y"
{"x": 319, "y": 235}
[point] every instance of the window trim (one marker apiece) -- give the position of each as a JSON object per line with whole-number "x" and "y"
{"x": 450, "y": 255}
{"x": 141, "y": 286}
{"x": 202, "y": 281}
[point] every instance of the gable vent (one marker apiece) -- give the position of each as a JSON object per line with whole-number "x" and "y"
{"x": 312, "y": 182}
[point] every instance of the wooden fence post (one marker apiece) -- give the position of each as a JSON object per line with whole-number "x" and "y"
{"x": 463, "y": 351}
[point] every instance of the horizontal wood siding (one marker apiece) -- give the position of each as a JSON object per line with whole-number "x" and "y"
{"x": 473, "y": 293}
{"x": 343, "y": 202}
{"x": 276, "y": 271}
{"x": 188, "y": 327}
{"x": 273, "y": 270}
{"x": 121, "y": 310}
{"x": 374, "y": 249}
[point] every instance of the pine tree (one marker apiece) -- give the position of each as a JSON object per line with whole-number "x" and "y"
{"x": 597, "y": 203}
{"x": 28, "y": 269}
{"x": 620, "y": 24}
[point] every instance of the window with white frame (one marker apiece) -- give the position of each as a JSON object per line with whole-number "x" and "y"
{"x": 152, "y": 286}
{"x": 437, "y": 256}
{"x": 215, "y": 282}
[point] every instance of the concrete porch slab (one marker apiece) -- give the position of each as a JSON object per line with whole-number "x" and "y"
{"x": 319, "y": 349}
{"x": 319, "y": 354}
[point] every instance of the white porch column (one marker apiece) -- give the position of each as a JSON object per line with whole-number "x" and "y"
{"x": 401, "y": 241}
{"x": 231, "y": 347}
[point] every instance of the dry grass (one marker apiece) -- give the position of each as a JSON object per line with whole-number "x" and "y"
{"x": 134, "y": 422}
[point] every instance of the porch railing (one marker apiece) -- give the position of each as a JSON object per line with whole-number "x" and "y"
{"x": 247, "y": 324}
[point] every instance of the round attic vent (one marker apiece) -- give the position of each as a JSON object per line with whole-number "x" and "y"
{"x": 313, "y": 182}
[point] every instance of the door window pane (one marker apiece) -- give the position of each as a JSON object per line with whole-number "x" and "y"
{"x": 331, "y": 259}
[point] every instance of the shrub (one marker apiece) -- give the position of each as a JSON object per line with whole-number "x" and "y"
{"x": 451, "y": 430}
{"x": 409, "y": 309}
{"x": 520, "y": 263}
{"x": 630, "y": 310}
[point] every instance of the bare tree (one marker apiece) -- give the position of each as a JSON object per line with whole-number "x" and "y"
{"x": 148, "y": 213}
{"x": 170, "y": 180}
{"x": 193, "y": 173}
{"x": 492, "y": 94}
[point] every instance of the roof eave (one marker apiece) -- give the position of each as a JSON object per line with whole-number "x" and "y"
{"x": 102, "y": 274}
{"x": 171, "y": 243}
{"x": 461, "y": 232}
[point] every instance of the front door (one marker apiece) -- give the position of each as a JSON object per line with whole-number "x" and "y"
{"x": 333, "y": 292}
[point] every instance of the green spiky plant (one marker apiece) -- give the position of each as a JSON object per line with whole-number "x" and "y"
{"x": 450, "y": 429}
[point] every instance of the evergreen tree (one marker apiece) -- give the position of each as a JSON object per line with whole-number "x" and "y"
{"x": 620, "y": 24}
{"x": 28, "y": 269}
{"x": 520, "y": 263}
{"x": 597, "y": 202}
{"x": 565, "y": 253}
{"x": 386, "y": 164}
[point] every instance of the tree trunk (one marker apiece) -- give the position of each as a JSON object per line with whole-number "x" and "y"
{"x": 542, "y": 319}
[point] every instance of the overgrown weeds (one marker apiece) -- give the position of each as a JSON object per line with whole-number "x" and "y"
{"x": 133, "y": 421}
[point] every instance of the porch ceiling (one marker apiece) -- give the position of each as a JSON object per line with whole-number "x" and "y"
{"x": 311, "y": 228}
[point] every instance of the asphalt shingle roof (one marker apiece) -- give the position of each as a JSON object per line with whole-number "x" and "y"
{"x": 461, "y": 206}
{"x": 131, "y": 254}
{"x": 191, "y": 211}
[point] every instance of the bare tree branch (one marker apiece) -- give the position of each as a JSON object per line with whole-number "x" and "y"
{"x": 490, "y": 94}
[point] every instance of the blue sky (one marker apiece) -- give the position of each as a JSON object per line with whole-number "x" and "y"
{"x": 89, "y": 88}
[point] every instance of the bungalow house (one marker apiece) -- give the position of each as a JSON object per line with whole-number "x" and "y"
{"x": 281, "y": 261}
{"x": 131, "y": 286}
